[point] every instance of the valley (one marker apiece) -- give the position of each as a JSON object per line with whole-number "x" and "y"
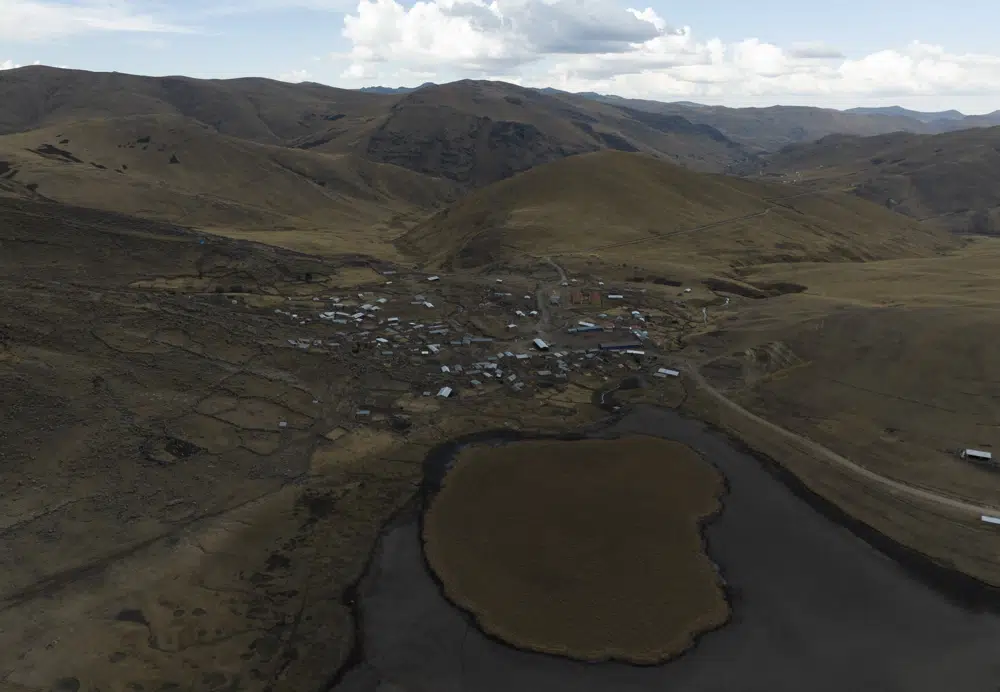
{"x": 240, "y": 319}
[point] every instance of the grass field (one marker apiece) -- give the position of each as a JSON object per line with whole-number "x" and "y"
{"x": 155, "y": 510}
{"x": 584, "y": 549}
{"x": 615, "y": 208}
{"x": 890, "y": 364}
{"x": 173, "y": 169}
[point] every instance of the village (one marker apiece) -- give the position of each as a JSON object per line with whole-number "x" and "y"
{"x": 517, "y": 340}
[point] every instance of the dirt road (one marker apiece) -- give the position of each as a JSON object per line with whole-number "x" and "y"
{"x": 544, "y": 327}
{"x": 897, "y": 487}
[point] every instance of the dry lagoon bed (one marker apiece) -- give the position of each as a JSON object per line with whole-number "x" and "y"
{"x": 588, "y": 549}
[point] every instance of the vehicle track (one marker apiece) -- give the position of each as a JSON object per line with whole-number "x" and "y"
{"x": 894, "y": 486}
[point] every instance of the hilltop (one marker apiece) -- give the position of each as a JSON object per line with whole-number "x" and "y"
{"x": 477, "y": 132}
{"x": 305, "y": 166}
{"x": 461, "y": 121}
{"x": 773, "y": 127}
{"x": 172, "y": 168}
{"x": 949, "y": 178}
{"x": 769, "y": 128}
{"x": 619, "y": 206}
{"x": 260, "y": 110}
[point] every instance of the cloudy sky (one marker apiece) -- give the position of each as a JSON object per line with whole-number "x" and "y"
{"x": 916, "y": 53}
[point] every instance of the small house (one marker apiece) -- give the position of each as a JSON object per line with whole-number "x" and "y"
{"x": 621, "y": 346}
{"x": 976, "y": 455}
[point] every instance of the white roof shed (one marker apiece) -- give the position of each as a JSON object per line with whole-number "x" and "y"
{"x": 976, "y": 454}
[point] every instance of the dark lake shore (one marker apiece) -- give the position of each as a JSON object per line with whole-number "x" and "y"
{"x": 815, "y": 606}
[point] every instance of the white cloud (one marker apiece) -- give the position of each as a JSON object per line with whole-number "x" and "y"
{"x": 11, "y": 65}
{"x": 295, "y": 76}
{"x": 471, "y": 34}
{"x": 600, "y": 45}
{"x": 32, "y": 20}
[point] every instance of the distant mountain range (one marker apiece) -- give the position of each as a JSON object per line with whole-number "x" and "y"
{"x": 154, "y": 145}
{"x": 771, "y": 128}
{"x": 916, "y": 115}
{"x": 394, "y": 90}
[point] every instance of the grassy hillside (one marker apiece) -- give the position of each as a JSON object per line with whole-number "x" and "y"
{"x": 260, "y": 110}
{"x": 175, "y": 169}
{"x": 949, "y": 177}
{"x": 113, "y": 344}
{"x": 888, "y": 362}
{"x": 771, "y": 128}
{"x": 473, "y": 132}
{"x": 481, "y": 132}
{"x": 632, "y": 208}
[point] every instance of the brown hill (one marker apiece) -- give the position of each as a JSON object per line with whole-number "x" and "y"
{"x": 771, "y": 128}
{"x": 480, "y": 132}
{"x": 261, "y": 110}
{"x": 472, "y": 132}
{"x": 175, "y": 169}
{"x": 141, "y": 407}
{"x": 951, "y": 177}
{"x": 629, "y": 207}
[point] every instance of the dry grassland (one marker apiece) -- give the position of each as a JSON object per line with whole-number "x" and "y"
{"x": 616, "y": 207}
{"x": 890, "y": 364}
{"x": 584, "y": 549}
{"x": 171, "y": 168}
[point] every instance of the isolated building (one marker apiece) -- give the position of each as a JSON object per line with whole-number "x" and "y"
{"x": 619, "y": 346}
{"x": 976, "y": 455}
{"x": 540, "y": 345}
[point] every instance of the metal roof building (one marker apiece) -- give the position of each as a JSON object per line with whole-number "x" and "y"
{"x": 976, "y": 455}
{"x": 620, "y": 346}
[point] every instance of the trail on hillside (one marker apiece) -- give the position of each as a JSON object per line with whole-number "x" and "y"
{"x": 895, "y": 486}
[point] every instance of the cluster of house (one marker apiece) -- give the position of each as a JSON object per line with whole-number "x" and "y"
{"x": 452, "y": 359}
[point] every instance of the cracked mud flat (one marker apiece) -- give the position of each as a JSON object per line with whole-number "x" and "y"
{"x": 815, "y": 607}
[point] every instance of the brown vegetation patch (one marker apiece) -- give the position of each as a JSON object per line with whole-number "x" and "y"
{"x": 590, "y": 550}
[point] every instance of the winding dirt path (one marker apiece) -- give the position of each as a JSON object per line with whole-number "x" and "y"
{"x": 897, "y": 487}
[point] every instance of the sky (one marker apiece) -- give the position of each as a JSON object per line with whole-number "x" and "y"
{"x": 918, "y": 54}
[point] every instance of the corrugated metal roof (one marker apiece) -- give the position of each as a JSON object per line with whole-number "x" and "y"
{"x": 979, "y": 454}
